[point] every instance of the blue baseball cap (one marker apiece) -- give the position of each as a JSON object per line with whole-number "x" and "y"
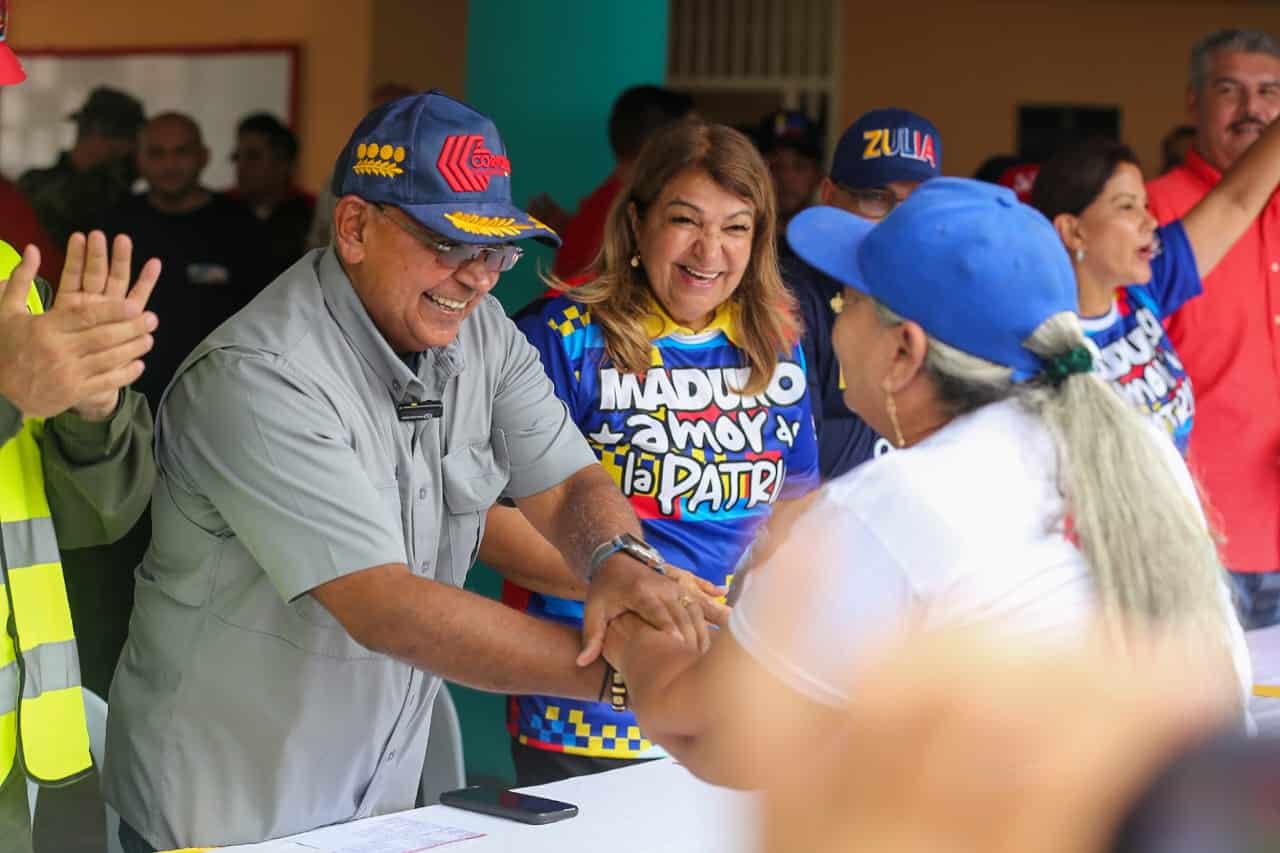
{"x": 887, "y": 145}
{"x": 442, "y": 163}
{"x": 976, "y": 268}
{"x": 790, "y": 129}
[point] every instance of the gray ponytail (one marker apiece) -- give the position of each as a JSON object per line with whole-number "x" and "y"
{"x": 1146, "y": 545}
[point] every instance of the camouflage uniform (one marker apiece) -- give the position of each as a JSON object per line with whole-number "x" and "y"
{"x": 68, "y": 200}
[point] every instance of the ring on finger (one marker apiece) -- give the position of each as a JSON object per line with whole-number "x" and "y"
{"x": 684, "y": 600}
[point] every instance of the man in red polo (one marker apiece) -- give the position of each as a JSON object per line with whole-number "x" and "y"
{"x": 1229, "y": 338}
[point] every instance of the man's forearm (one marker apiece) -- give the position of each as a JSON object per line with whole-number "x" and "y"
{"x": 588, "y": 510}
{"x": 470, "y": 639}
{"x": 516, "y": 550}
{"x": 99, "y": 475}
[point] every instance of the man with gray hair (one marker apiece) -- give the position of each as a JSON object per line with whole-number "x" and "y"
{"x": 1229, "y": 338}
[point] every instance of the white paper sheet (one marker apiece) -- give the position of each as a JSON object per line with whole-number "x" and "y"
{"x": 409, "y": 832}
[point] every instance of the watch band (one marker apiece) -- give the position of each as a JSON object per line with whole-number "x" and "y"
{"x": 635, "y": 548}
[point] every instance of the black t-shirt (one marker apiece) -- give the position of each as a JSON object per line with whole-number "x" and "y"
{"x": 286, "y": 230}
{"x": 214, "y": 261}
{"x": 844, "y": 439}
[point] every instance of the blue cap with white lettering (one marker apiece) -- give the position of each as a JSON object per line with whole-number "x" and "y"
{"x": 442, "y": 163}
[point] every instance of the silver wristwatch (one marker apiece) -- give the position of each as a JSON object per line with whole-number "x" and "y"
{"x": 631, "y": 546}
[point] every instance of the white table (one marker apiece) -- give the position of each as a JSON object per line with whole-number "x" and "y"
{"x": 650, "y": 808}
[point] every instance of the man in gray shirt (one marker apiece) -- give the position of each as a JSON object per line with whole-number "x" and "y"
{"x": 326, "y": 459}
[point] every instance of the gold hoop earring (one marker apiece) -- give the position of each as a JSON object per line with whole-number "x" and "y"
{"x": 635, "y": 261}
{"x": 893, "y": 419}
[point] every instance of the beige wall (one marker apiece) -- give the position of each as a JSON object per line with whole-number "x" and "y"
{"x": 348, "y": 46}
{"x": 420, "y": 44}
{"x": 334, "y": 36}
{"x": 968, "y": 65}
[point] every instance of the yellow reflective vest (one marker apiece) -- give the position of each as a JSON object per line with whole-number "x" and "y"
{"x": 42, "y": 719}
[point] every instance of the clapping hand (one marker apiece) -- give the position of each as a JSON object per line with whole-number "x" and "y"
{"x": 89, "y": 344}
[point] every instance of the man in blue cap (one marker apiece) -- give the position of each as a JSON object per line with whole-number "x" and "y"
{"x": 879, "y": 161}
{"x": 325, "y": 462}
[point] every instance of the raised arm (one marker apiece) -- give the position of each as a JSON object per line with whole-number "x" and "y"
{"x": 1214, "y": 225}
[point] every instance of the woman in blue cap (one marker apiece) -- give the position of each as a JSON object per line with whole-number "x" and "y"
{"x": 1029, "y": 498}
{"x": 1131, "y": 275}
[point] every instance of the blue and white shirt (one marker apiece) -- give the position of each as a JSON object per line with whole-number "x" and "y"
{"x": 700, "y": 463}
{"x": 1131, "y": 349}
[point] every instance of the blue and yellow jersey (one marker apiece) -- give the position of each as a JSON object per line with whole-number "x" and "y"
{"x": 1131, "y": 349}
{"x": 701, "y": 464}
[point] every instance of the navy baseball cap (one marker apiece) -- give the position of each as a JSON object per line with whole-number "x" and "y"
{"x": 976, "y": 268}
{"x": 887, "y": 145}
{"x": 790, "y": 129}
{"x": 442, "y": 163}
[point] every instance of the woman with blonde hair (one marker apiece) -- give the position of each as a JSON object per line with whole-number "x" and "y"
{"x": 680, "y": 362}
{"x": 1026, "y": 497}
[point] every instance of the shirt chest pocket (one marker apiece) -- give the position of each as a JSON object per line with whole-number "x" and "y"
{"x": 473, "y": 478}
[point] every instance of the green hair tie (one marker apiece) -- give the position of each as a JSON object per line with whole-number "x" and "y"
{"x": 1077, "y": 360}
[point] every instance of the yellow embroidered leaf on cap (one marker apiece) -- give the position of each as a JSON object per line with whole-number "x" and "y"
{"x": 486, "y": 226}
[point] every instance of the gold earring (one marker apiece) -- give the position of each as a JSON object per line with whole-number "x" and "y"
{"x": 893, "y": 419}
{"x": 635, "y": 261}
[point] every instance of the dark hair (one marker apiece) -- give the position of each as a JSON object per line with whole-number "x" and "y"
{"x": 638, "y": 112}
{"x": 281, "y": 139}
{"x": 1168, "y": 145}
{"x": 1075, "y": 176}
{"x": 995, "y": 166}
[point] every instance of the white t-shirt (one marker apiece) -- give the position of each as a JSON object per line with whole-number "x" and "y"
{"x": 966, "y": 526}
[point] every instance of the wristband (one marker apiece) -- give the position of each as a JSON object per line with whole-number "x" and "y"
{"x": 616, "y": 688}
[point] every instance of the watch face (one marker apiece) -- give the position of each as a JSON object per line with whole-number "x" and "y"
{"x": 642, "y": 550}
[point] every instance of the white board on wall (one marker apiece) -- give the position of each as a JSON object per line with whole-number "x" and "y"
{"x": 216, "y": 86}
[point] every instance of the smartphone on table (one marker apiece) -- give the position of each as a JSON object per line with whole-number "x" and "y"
{"x": 500, "y": 802}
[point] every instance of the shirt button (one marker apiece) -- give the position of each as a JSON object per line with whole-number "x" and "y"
{"x": 391, "y": 755}
{"x": 396, "y": 385}
{"x": 1275, "y": 266}
{"x": 422, "y": 493}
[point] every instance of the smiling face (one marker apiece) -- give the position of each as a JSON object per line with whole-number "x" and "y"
{"x": 1117, "y": 232}
{"x": 414, "y": 300}
{"x": 694, "y": 244}
{"x": 1240, "y": 97}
